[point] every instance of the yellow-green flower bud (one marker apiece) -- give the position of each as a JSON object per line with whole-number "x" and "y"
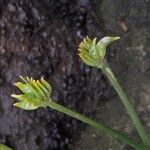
{"x": 36, "y": 93}
{"x": 93, "y": 53}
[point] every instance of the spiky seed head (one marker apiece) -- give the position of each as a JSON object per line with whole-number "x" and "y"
{"x": 36, "y": 93}
{"x": 92, "y": 52}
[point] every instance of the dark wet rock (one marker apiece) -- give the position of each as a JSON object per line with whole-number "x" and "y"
{"x": 34, "y": 43}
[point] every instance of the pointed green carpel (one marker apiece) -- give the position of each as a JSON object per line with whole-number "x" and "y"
{"x": 35, "y": 93}
{"x": 92, "y": 52}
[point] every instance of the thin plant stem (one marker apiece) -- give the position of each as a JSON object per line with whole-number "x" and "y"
{"x": 109, "y": 74}
{"x": 110, "y": 132}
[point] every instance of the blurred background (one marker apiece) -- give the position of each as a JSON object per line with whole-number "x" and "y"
{"x": 41, "y": 38}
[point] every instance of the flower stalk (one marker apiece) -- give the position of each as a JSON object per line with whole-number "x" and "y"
{"x": 129, "y": 107}
{"x": 98, "y": 60}
{"x": 99, "y": 126}
{"x": 36, "y": 93}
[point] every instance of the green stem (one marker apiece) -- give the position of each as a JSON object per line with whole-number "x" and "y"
{"x": 109, "y": 74}
{"x": 110, "y": 132}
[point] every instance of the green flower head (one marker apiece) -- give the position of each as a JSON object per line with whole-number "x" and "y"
{"x": 93, "y": 53}
{"x": 36, "y": 93}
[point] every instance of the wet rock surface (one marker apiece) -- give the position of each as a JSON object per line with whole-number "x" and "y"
{"x": 40, "y": 38}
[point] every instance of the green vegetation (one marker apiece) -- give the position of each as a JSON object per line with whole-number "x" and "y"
{"x": 4, "y": 147}
{"x": 37, "y": 93}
